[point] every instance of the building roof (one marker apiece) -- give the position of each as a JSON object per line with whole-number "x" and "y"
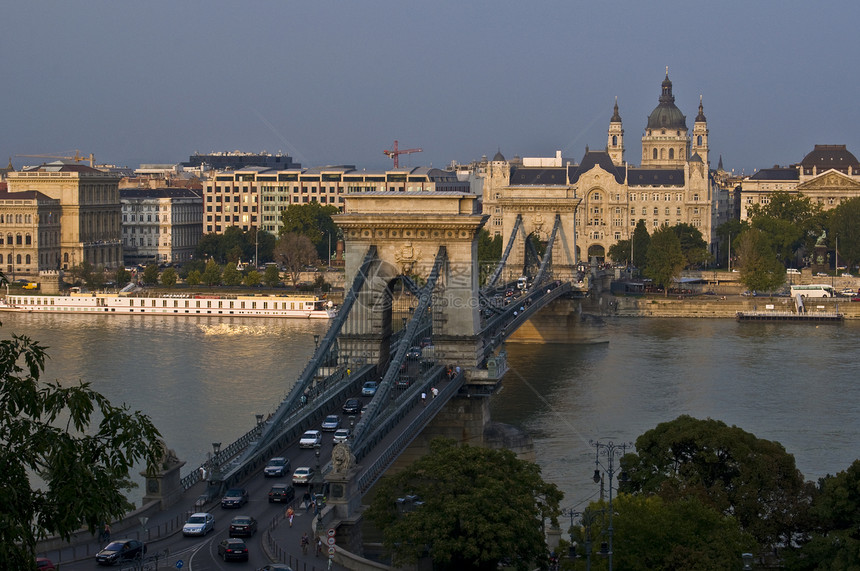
{"x": 25, "y": 195}
{"x": 824, "y": 157}
{"x": 777, "y": 173}
{"x": 666, "y": 115}
{"x": 141, "y": 193}
{"x": 655, "y": 177}
{"x": 61, "y": 166}
{"x": 539, "y": 176}
{"x": 596, "y": 159}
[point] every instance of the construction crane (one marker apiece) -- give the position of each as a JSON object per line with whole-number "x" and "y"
{"x": 395, "y": 153}
{"x": 77, "y": 158}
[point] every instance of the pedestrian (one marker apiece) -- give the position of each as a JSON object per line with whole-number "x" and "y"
{"x": 290, "y": 514}
{"x": 423, "y": 398}
{"x": 435, "y": 392}
{"x": 106, "y": 533}
{"x": 319, "y": 547}
{"x": 306, "y": 500}
{"x": 305, "y": 541}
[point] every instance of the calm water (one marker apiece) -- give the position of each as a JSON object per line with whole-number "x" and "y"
{"x": 794, "y": 383}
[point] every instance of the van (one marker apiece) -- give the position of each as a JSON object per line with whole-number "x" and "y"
{"x": 792, "y": 271}
{"x": 31, "y": 285}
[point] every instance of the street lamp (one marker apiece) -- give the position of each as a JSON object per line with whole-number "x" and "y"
{"x": 748, "y": 561}
{"x": 609, "y": 451}
{"x": 586, "y": 517}
{"x": 316, "y": 341}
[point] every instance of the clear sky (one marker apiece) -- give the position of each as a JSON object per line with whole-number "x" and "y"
{"x": 337, "y": 82}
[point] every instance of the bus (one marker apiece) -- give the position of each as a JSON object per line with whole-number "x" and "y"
{"x": 813, "y": 290}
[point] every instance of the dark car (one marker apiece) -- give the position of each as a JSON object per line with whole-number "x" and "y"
{"x": 283, "y": 493}
{"x": 243, "y": 526}
{"x": 276, "y": 567}
{"x": 235, "y": 498}
{"x": 277, "y": 466}
{"x": 352, "y": 406}
{"x": 413, "y": 353}
{"x": 121, "y": 550}
{"x": 233, "y": 549}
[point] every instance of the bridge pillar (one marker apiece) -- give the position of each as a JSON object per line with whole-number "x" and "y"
{"x": 538, "y": 205}
{"x": 407, "y": 230}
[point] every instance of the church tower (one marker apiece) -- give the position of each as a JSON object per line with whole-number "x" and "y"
{"x": 665, "y": 143}
{"x": 700, "y": 135}
{"x": 615, "y": 139}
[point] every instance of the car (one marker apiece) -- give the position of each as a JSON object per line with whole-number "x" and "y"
{"x": 303, "y": 475}
{"x": 283, "y": 493}
{"x": 243, "y": 526}
{"x": 369, "y": 388}
{"x": 233, "y": 549}
{"x": 847, "y": 291}
{"x": 413, "y": 353}
{"x": 792, "y": 271}
{"x": 277, "y": 467}
{"x": 235, "y": 498}
{"x": 822, "y": 275}
{"x": 310, "y": 439}
{"x": 45, "y": 564}
{"x": 199, "y": 523}
{"x": 121, "y": 550}
{"x": 352, "y": 406}
{"x": 31, "y": 285}
{"x": 340, "y": 435}
{"x": 403, "y": 382}
{"x": 331, "y": 423}
{"x": 276, "y": 567}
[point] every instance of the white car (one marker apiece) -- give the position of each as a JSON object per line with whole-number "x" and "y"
{"x": 341, "y": 435}
{"x": 310, "y": 439}
{"x": 302, "y": 475}
{"x": 199, "y": 524}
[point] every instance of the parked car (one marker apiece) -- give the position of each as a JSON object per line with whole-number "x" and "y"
{"x": 310, "y": 439}
{"x": 369, "y": 388}
{"x": 341, "y": 435}
{"x": 331, "y": 423}
{"x": 283, "y": 493}
{"x": 235, "y": 498}
{"x": 243, "y": 526}
{"x": 351, "y": 406}
{"x": 199, "y": 523}
{"x": 45, "y": 564}
{"x": 121, "y": 550}
{"x": 277, "y": 467}
{"x": 233, "y": 549}
{"x": 303, "y": 475}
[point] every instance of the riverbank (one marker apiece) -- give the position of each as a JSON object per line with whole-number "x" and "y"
{"x": 712, "y": 306}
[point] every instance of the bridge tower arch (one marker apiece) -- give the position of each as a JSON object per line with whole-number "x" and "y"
{"x": 408, "y": 230}
{"x": 537, "y": 208}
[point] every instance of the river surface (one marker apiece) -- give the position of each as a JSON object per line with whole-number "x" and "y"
{"x": 202, "y": 382}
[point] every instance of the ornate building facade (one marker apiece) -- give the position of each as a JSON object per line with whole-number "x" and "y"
{"x": 29, "y": 233}
{"x": 161, "y": 225}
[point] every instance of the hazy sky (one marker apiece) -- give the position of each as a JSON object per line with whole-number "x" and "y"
{"x": 338, "y": 82}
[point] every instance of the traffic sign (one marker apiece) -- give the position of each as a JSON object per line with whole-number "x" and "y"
{"x": 331, "y": 550}
{"x": 179, "y": 564}
{"x": 331, "y": 541}
{"x": 331, "y": 532}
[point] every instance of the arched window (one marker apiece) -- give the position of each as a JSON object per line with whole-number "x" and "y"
{"x": 18, "y": 259}
{"x": 19, "y": 240}
{"x": 27, "y": 259}
{"x": 671, "y": 153}
{"x": 655, "y": 154}
{"x": 28, "y": 240}
{"x": 66, "y": 258}
{"x": 8, "y": 219}
{"x": 699, "y": 140}
{"x": 614, "y": 140}
{"x": 9, "y": 259}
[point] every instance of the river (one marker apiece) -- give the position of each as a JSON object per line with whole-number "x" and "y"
{"x": 793, "y": 383}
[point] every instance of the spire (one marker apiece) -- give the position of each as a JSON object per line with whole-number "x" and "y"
{"x": 616, "y": 118}
{"x": 720, "y": 164}
{"x": 666, "y": 94}
{"x": 700, "y": 118}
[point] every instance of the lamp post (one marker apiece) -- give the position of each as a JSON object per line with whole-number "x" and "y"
{"x": 585, "y": 517}
{"x": 259, "y": 418}
{"x": 609, "y": 450}
{"x": 316, "y": 341}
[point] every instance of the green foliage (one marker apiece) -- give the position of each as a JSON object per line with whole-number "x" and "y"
{"x": 150, "y": 275}
{"x": 753, "y": 480}
{"x": 320, "y": 284}
{"x": 190, "y": 266}
{"x": 294, "y": 252}
{"x": 272, "y": 276}
{"x": 194, "y": 278}
{"x": 664, "y": 259}
{"x": 693, "y": 245}
{"x": 729, "y": 231}
{"x": 71, "y": 438}
{"x": 168, "y": 277}
{"x": 479, "y": 506}
{"x": 212, "y": 274}
{"x": 791, "y": 221}
{"x": 312, "y": 220}
{"x": 253, "y": 278}
{"x": 844, "y": 223}
{"x": 620, "y": 252}
{"x": 122, "y": 276}
{"x": 760, "y": 269}
{"x": 652, "y": 533}
{"x": 235, "y": 245}
{"x": 231, "y": 276}
{"x": 641, "y": 242}
{"x": 489, "y": 249}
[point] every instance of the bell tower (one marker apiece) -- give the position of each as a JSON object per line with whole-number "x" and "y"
{"x": 700, "y": 135}
{"x": 615, "y": 138}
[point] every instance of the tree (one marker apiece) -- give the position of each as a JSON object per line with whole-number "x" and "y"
{"x": 620, "y": 252}
{"x": 728, "y": 232}
{"x": 478, "y": 507}
{"x": 122, "y": 276}
{"x": 312, "y": 220}
{"x": 759, "y": 266}
{"x": 194, "y": 277}
{"x": 272, "y": 276}
{"x": 150, "y": 274}
{"x": 791, "y": 222}
{"x": 294, "y": 252}
{"x": 641, "y": 241}
{"x": 212, "y": 274}
{"x": 168, "y": 277}
{"x": 489, "y": 253}
{"x": 844, "y": 224}
{"x": 754, "y": 480}
{"x": 652, "y": 533}
{"x": 71, "y": 438}
{"x": 693, "y": 245}
{"x": 253, "y": 278}
{"x": 664, "y": 259}
{"x": 231, "y": 276}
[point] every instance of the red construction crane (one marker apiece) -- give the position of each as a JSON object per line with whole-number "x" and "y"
{"x": 395, "y": 153}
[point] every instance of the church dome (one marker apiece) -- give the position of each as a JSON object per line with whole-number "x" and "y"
{"x": 499, "y": 156}
{"x": 666, "y": 115}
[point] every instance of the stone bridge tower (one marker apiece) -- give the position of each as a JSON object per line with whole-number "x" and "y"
{"x": 407, "y": 229}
